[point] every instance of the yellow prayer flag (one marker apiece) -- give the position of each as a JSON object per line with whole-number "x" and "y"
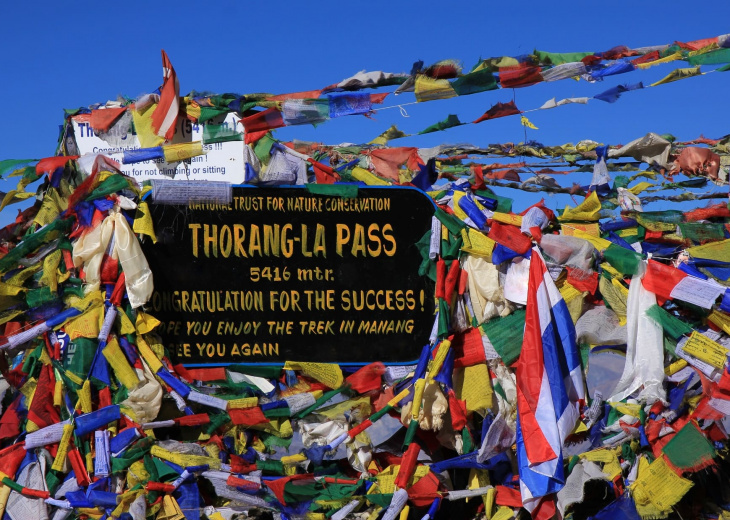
{"x": 28, "y": 390}
{"x": 588, "y": 210}
{"x": 678, "y": 74}
{"x": 418, "y": 388}
{"x": 430, "y": 89}
{"x": 118, "y": 361}
{"x": 243, "y": 402}
{"x": 526, "y": 122}
{"x": 712, "y": 250}
{"x": 58, "y": 393}
{"x": 143, "y": 126}
{"x": 590, "y": 229}
{"x": 87, "y": 325}
{"x": 599, "y": 243}
{"x": 143, "y": 221}
{"x": 362, "y": 175}
{"x": 170, "y": 509}
{"x": 339, "y": 409}
{"x": 182, "y": 151}
{"x": 125, "y": 324}
{"x": 49, "y": 277}
{"x": 507, "y": 218}
{"x": 720, "y": 319}
{"x": 184, "y": 460}
{"x": 675, "y": 367}
{"x": 477, "y": 243}
{"x": 84, "y": 394}
{"x": 329, "y": 374}
{"x": 192, "y": 108}
{"x": 63, "y": 447}
{"x": 473, "y": 385}
{"x": 657, "y": 489}
{"x": 628, "y": 232}
{"x": 704, "y": 349}
{"x": 438, "y": 360}
{"x": 642, "y": 186}
{"x": 672, "y": 57}
{"x": 153, "y": 362}
{"x": 146, "y": 323}
{"x": 14, "y": 196}
{"x": 626, "y": 408}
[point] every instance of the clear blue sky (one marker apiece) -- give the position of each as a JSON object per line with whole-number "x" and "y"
{"x": 60, "y": 55}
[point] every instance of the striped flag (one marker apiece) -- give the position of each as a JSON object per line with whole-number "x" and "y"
{"x": 550, "y": 389}
{"x": 164, "y": 118}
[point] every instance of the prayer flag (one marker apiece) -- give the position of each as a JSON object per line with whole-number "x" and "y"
{"x": 164, "y": 118}
{"x": 549, "y": 386}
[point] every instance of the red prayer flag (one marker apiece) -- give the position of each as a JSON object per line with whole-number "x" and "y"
{"x": 661, "y": 279}
{"x": 500, "y": 110}
{"x": 164, "y": 118}
{"x": 452, "y": 278}
{"x": 102, "y": 119}
{"x": 42, "y": 412}
{"x": 263, "y": 121}
{"x": 367, "y": 378}
{"x": 514, "y": 77}
{"x": 11, "y": 458}
{"x": 425, "y": 491}
{"x": 308, "y": 94}
{"x": 457, "y": 409}
{"x": 387, "y": 161}
{"x": 508, "y": 497}
{"x": 407, "y": 465}
{"x": 478, "y": 177}
{"x": 50, "y": 164}
{"x": 510, "y": 236}
{"x": 468, "y": 348}
{"x": 323, "y": 174}
{"x": 247, "y": 416}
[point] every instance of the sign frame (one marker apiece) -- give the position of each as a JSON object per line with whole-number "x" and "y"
{"x": 421, "y": 328}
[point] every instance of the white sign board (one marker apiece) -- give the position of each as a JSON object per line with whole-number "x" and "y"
{"x": 222, "y": 161}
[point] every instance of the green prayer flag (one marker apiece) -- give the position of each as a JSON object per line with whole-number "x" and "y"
{"x": 504, "y": 204}
{"x": 673, "y": 326}
{"x": 453, "y": 224}
{"x": 710, "y": 58}
{"x": 208, "y": 113}
{"x": 506, "y": 334}
{"x": 78, "y": 357}
{"x": 32, "y": 242}
{"x": 37, "y": 297}
{"x": 380, "y": 499}
{"x": 345, "y": 191}
{"x": 450, "y": 122}
{"x": 443, "y": 318}
{"x": 702, "y": 231}
{"x": 558, "y": 58}
{"x": 270, "y": 467}
{"x": 110, "y": 185}
{"x": 262, "y": 148}
{"x": 624, "y": 261}
{"x": 475, "y": 82}
{"x": 689, "y": 450}
{"x": 220, "y": 134}
{"x": 11, "y": 165}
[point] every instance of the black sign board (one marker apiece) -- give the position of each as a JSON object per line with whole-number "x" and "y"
{"x": 283, "y": 274}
